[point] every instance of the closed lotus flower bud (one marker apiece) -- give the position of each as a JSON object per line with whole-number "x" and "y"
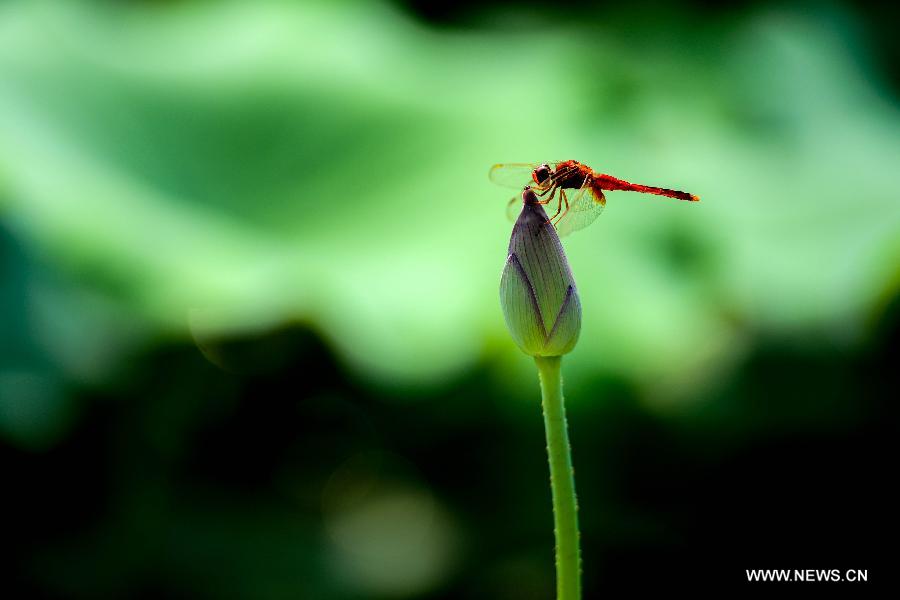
{"x": 537, "y": 291}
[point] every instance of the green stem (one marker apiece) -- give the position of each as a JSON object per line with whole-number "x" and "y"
{"x": 562, "y": 480}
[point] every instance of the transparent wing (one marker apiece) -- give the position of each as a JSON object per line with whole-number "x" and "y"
{"x": 514, "y": 207}
{"x": 584, "y": 207}
{"x": 513, "y": 175}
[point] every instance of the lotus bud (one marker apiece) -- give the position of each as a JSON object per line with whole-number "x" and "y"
{"x": 537, "y": 290}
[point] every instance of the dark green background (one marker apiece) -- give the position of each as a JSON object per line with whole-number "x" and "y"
{"x": 251, "y": 345}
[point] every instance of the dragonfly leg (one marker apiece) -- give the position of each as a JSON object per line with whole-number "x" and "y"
{"x": 584, "y": 184}
{"x": 555, "y": 186}
{"x": 550, "y": 199}
{"x": 563, "y": 198}
{"x": 550, "y": 190}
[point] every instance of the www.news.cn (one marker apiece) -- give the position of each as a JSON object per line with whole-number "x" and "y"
{"x": 808, "y": 575}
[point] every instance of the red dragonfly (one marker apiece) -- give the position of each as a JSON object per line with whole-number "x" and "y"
{"x": 587, "y": 201}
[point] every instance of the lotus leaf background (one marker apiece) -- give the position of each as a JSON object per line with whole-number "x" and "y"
{"x": 251, "y": 345}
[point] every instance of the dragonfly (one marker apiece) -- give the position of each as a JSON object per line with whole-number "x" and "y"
{"x": 577, "y": 189}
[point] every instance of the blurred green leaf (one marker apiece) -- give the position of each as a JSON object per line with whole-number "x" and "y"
{"x": 254, "y": 164}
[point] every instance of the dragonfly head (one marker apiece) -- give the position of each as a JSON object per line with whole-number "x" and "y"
{"x": 541, "y": 174}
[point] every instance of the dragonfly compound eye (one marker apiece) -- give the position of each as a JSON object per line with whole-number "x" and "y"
{"x": 541, "y": 174}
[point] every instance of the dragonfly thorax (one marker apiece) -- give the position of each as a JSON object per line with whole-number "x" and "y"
{"x": 571, "y": 174}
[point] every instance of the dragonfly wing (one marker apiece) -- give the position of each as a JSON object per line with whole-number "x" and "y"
{"x": 512, "y": 175}
{"x": 584, "y": 207}
{"x": 514, "y": 207}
